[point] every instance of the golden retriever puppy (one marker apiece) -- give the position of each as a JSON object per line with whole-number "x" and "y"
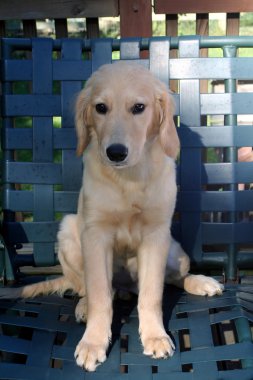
{"x": 126, "y": 133}
{"x": 124, "y": 119}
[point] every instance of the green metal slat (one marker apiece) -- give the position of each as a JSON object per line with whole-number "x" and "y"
{"x": 159, "y": 59}
{"x": 216, "y": 136}
{"x": 218, "y": 233}
{"x": 44, "y": 254}
{"x": 227, "y": 173}
{"x": 129, "y": 50}
{"x": 218, "y": 353}
{"x": 101, "y": 52}
{"x": 224, "y": 104}
{"x": 17, "y": 70}
{"x": 38, "y": 356}
{"x": 187, "y": 68}
{"x": 200, "y": 336}
{"x": 24, "y": 232}
{"x": 211, "y": 68}
{"x": 64, "y": 201}
{"x": 13, "y": 344}
{"x": 214, "y": 201}
{"x": 190, "y": 159}
{"x": 21, "y": 138}
{"x": 72, "y": 165}
{"x": 32, "y": 105}
{"x": 33, "y": 173}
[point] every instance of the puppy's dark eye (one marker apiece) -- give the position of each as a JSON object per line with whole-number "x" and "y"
{"x": 101, "y": 108}
{"x": 138, "y": 108}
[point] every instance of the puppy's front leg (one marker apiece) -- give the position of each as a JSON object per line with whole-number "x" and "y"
{"x": 97, "y": 251}
{"x": 152, "y": 257}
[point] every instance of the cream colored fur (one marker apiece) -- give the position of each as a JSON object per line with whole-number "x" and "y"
{"x": 124, "y": 212}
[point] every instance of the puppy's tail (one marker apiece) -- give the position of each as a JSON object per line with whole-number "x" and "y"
{"x": 58, "y": 285}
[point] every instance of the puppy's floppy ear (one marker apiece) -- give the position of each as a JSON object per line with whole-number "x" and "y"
{"x": 167, "y": 133}
{"x": 82, "y": 120}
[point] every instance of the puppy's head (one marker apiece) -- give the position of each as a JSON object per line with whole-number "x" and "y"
{"x": 123, "y": 108}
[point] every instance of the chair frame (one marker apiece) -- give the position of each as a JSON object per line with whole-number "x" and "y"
{"x": 38, "y": 336}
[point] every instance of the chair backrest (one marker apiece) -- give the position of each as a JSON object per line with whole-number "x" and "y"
{"x": 42, "y": 175}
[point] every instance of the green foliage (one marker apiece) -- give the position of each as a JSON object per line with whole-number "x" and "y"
{"x": 111, "y": 29}
{"x": 186, "y": 27}
{"x": 158, "y": 28}
{"x": 246, "y": 24}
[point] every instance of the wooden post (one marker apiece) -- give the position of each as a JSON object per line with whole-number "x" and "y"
{"x": 29, "y": 28}
{"x": 233, "y": 24}
{"x": 135, "y": 18}
{"x": 172, "y": 25}
{"x": 92, "y": 26}
{"x": 61, "y": 27}
{"x": 2, "y": 28}
{"x": 202, "y": 24}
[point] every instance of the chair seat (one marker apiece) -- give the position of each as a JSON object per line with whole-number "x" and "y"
{"x": 38, "y": 338}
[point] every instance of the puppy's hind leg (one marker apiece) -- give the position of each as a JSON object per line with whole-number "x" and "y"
{"x": 177, "y": 273}
{"x": 71, "y": 259}
{"x": 72, "y": 267}
{"x": 69, "y": 253}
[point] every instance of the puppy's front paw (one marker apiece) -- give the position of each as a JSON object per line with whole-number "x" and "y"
{"x": 202, "y": 285}
{"x": 89, "y": 356}
{"x": 158, "y": 348}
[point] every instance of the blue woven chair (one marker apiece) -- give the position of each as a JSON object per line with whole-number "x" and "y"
{"x": 41, "y": 180}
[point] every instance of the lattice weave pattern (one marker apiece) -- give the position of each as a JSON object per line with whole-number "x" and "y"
{"x": 38, "y": 339}
{"x": 210, "y": 208}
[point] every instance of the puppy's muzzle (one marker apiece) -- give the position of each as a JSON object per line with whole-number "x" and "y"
{"x": 117, "y": 152}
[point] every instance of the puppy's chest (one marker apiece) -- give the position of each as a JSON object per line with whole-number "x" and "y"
{"x": 130, "y": 221}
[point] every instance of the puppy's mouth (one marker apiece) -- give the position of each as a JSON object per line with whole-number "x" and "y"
{"x": 116, "y": 165}
{"x": 119, "y": 165}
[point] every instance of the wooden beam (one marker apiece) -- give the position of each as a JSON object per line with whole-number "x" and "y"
{"x": 172, "y": 31}
{"x": 202, "y": 29}
{"x": 204, "y": 6}
{"x": 37, "y": 9}
{"x": 135, "y": 18}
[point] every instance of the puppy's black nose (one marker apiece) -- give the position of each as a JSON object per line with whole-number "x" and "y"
{"x": 117, "y": 152}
